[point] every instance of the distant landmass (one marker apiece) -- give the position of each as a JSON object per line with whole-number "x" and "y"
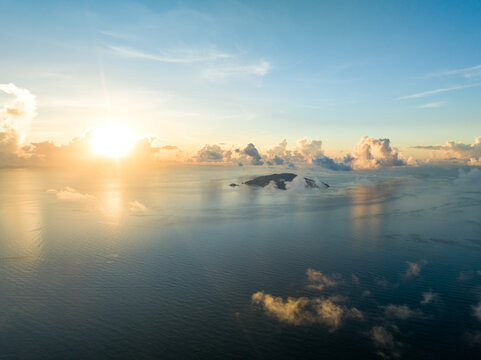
{"x": 280, "y": 181}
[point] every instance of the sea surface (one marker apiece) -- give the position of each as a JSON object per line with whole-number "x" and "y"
{"x": 174, "y": 263}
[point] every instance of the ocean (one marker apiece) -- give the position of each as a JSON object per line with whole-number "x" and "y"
{"x": 174, "y": 263}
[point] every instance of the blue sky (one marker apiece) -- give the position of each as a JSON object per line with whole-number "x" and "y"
{"x": 235, "y": 72}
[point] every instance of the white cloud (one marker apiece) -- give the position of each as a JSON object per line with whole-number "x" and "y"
{"x": 469, "y": 72}
{"x": 71, "y": 195}
{"x": 221, "y": 71}
{"x": 182, "y": 56}
{"x": 16, "y": 115}
{"x": 137, "y": 208}
{"x": 436, "y": 91}
{"x": 468, "y": 153}
{"x": 430, "y": 105}
{"x": 372, "y": 153}
{"x": 24, "y": 103}
{"x": 310, "y": 149}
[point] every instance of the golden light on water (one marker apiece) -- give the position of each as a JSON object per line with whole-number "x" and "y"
{"x": 112, "y": 141}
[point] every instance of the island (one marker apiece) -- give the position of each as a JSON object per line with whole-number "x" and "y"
{"x": 280, "y": 180}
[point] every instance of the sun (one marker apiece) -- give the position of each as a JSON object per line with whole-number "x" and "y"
{"x": 112, "y": 141}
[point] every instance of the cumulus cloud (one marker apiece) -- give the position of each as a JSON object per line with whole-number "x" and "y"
{"x": 428, "y": 297}
{"x": 279, "y": 151}
{"x": 10, "y": 153}
{"x": 414, "y": 268}
{"x": 319, "y": 281}
{"x": 8, "y": 140}
{"x": 306, "y": 151}
{"x": 213, "y": 153}
{"x": 137, "y": 208}
{"x": 252, "y": 152}
{"x": 468, "y": 153}
{"x": 19, "y": 112}
{"x": 276, "y": 160}
{"x": 305, "y": 311}
{"x": 372, "y": 153}
{"x": 15, "y": 118}
{"x": 400, "y": 311}
{"x": 71, "y": 195}
{"x": 310, "y": 149}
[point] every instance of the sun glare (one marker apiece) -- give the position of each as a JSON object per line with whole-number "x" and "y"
{"x": 113, "y": 141}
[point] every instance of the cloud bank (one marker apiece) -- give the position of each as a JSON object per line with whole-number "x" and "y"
{"x": 470, "y": 154}
{"x": 369, "y": 154}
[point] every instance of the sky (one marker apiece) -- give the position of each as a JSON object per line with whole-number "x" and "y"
{"x": 193, "y": 73}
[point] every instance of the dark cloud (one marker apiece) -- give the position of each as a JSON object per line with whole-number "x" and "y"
{"x": 213, "y": 153}
{"x": 331, "y": 164}
{"x": 252, "y": 152}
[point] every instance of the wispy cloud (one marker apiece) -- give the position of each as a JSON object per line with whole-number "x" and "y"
{"x": 469, "y": 72}
{"x": 219, "y": 72}
{"x": 430, "y": 105}
{"x": 183, "y": 56}
{"x": 436, "y": 91}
